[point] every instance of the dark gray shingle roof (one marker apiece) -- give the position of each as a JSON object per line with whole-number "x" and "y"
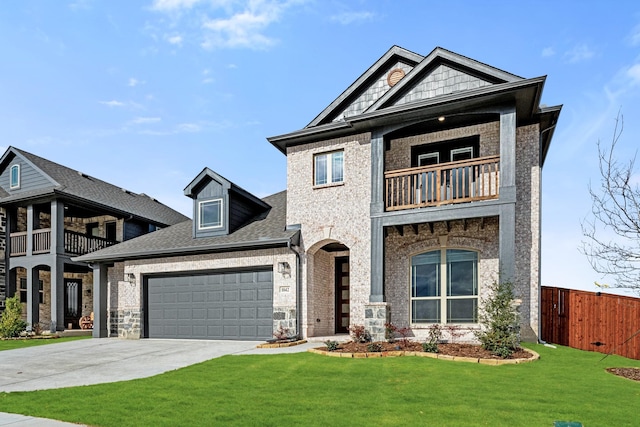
{"x": 266, "y": 230}
{"x": 100, "y": 193}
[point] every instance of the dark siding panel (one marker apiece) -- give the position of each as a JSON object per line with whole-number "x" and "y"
{"x": 134, "y": 229}
{"x": 240, "y": 212}
{"x": 211, "y": 190}
{"x": 30, "y": 179}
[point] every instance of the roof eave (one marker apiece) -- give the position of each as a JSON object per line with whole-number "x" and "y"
{"x": 433, "y": 106}
{"x": 168, "y": 252}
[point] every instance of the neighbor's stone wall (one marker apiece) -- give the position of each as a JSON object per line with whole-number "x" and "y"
{"x": 125, "y": 309}
{"x": 329, "y": 214}
{"x": 399, "y": 156}
{"x": 527, "y": 257}
{"x": 480, "y": 236}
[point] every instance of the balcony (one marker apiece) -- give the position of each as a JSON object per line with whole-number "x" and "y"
{"x": 74, "y": 243}
{"x": 443, "y": 184}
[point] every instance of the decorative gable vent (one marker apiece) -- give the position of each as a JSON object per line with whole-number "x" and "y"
{"x": 394, "y": 76}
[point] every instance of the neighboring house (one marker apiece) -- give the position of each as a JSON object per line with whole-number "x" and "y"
{"x": 52, "y": 213}
{"x": 407, "y": 197}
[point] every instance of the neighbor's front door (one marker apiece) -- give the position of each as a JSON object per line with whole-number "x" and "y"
{"x": 72, "y": 302}
{"x": 342, "y": 295}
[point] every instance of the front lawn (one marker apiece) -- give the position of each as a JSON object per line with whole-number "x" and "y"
{"x": 309, "y": 389}
{"x": 12, "y": 344}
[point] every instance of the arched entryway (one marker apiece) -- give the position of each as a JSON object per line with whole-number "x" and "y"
{"x": 328, "y": 289}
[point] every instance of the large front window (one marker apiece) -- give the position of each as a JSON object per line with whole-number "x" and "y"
{"x": 210, "y": 214}
{"x": 328, "y": 168}
{"x": 444, "y": 287}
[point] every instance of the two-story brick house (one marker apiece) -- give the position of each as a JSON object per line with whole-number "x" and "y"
{"x": 406, "y": 198}
{"x": 52, "y": 213}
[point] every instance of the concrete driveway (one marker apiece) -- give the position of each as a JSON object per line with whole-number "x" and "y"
{"x": 104, "y": 360}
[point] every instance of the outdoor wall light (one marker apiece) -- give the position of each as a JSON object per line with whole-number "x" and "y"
{"x": 131, "y": 278}
{"x": 284, "y": 268}
{"x": 441, "y": 119}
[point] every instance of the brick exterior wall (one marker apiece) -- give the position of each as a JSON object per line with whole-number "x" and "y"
{"x": 125, "y": 302}
{"x": 528, "y": 226}
{"x": 480, "y": 236}
{"x": 330, "y": 214}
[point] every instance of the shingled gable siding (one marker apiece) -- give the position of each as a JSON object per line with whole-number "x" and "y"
{"x": 373, "y": 93}
{"x": 29, "y": 177}
{"x": 337, "y": 213}
{"x": 125, "y": 291}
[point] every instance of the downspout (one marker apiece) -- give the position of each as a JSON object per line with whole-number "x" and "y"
{"x": 298, "y": 289}
{"x": 540, "y": 240}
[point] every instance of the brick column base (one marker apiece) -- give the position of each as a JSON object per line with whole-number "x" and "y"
{"x": 376, "y": 314}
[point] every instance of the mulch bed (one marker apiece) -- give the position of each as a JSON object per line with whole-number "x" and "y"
{"x": 629, "y": 373}
{"x": 461, "y": 350}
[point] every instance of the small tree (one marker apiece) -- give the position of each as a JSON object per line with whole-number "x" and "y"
{"x": 11, "y": 323}
{"x": 615, "y": 208}
{"x": 500, "y": 333}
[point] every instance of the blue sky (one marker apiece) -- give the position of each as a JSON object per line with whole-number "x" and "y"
{"x": 144, "y": 94}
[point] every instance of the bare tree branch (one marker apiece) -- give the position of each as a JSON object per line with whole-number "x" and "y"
{"x": 615, "y": 209}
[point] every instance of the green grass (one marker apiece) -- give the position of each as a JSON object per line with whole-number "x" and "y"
{"x": 314, "y": 390}
{"x": 14, "y": 344}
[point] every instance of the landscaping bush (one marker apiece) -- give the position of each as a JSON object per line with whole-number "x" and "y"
{"x": 11, "y": 323}
{"x": 390, "y": 332}
{"x": 435, "y": 334}
{"x": 331, "y": 345}
{"x": 374, "y": 347}
{"x": 500, "y": 332}
{"x": 359, "y": 334}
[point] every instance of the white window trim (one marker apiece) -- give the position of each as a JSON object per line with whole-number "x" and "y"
{"x": 461, "y": 151}
{"x": 443, "y": 289}
{"x": 11, "y": 184}
{"x": 211, "y": 227}
{"x": 329, "y": 171}
{"x": 428, "y": 156}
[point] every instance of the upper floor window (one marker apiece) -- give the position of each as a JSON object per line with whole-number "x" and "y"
{"x": 444, "y": 287}
{"x": 210, "y": 214}
{"x": 15, "y": 176}
{"x": 328, "y": 168}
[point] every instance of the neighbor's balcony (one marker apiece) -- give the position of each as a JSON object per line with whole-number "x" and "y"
{"x": 442, "y": 184}
{"x": 74, "y": 243}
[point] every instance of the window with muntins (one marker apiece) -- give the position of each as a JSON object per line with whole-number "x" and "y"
{"x": 328, "y": 168}
{"x": 444, "y": 287}
{"x": 15, "y": 176}
{"x": 210, "y": 214}
{"x": 23, "y": 291}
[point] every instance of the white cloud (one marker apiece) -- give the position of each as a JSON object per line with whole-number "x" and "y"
{"x": 175, "y": 39}
{"x": 133, "y": 82}
{"x": 346, "y": 18}
{"x": 113, "y": 103}
{"x": 232, "y": 66}
{"x": 189, "y": 127}
{"x": 633, "y": 73}
{"x": 634, "y": 37}
{"x": 172, "y": 5}
{"x": 145, "y": 120}
{"x": 579, "y": 53}
{"x": 548, "y": 51}
{"x": 221, "y": 23}
{"x": 80, "y": 5}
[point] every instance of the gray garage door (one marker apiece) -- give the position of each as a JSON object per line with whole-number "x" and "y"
{"x": 223, "y": 306}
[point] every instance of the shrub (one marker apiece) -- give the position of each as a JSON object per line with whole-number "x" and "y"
{"x": 500, "y": 333}
{"x": 374, "y": 347}
{"x": 331, "y": 345}
{"x": 282, "y": 334}
{"x": 404, "y": 336}
{"x": 390, "y": 332}
{"x": 11, "y": 323}
{"x": 454, "y": 332}
{"x": 435, "y": 334}
{"x": 359, "y": 334}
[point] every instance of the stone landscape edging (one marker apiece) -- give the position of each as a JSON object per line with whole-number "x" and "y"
{"x": 399, "y": 353}
{"x": 281, "y": 344}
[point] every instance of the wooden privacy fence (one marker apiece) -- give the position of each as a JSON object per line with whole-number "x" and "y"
{"x": 591, "y": 321}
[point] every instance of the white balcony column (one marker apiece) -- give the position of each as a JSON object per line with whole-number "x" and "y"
{"x": 57, "y": 227}
{"x": 29, "y": 230}
{"x": 507, "y": 194}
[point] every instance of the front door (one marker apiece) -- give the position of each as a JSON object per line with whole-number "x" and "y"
{"x": 342, "y": 295}
{"x": 72, "y": 302}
